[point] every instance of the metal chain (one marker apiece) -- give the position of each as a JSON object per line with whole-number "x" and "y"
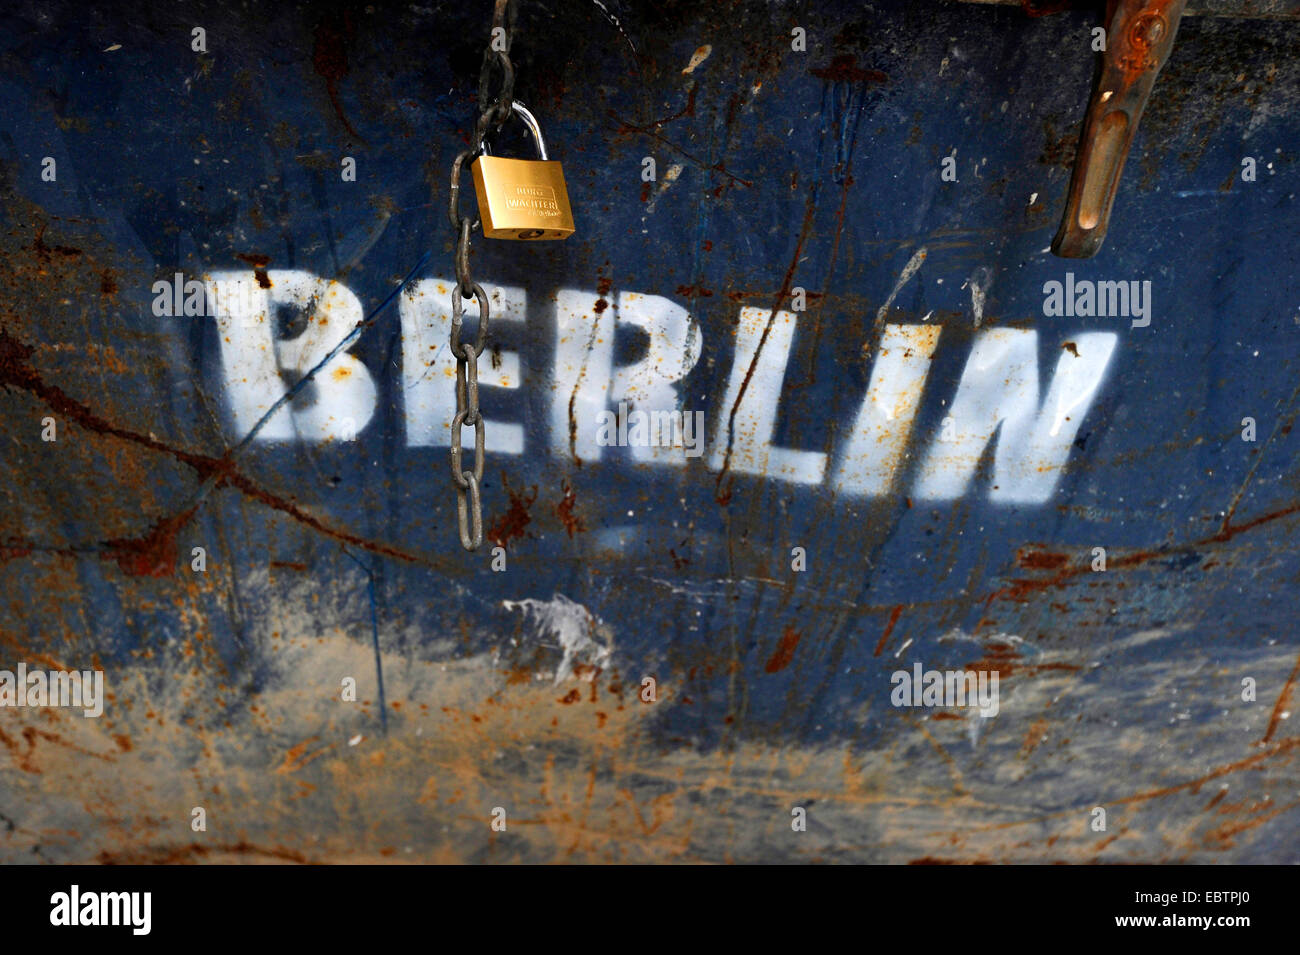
{"x": 492, "y": 112}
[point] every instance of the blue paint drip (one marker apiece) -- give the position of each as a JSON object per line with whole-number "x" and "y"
{"x": 374, "y": 637}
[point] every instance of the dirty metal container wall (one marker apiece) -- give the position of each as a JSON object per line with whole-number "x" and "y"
{"x": 798, "y": 237}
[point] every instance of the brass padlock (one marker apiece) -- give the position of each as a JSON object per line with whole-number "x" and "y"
{"x": 522, "y": 198}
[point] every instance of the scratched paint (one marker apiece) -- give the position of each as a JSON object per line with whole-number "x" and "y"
{"x": 329, "y": 535}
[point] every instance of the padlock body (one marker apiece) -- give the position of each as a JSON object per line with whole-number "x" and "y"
{"x": 522, "y": 198}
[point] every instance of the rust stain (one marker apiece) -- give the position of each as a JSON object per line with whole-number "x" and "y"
{"x": 1058, "y": 149}
{"x": 1033, "y": 736}
{"x": 1045, "y": 8}
{"x": 195, "y": 852}
{"x": 329, "y": 58}
{"x": 603, "y": 287}
{"x": 687, "y": 110}
{"x": 1040, "y": 559}
{"x": 1004, "y": 659}
{"x": 784, "y": 651}
{"x": 514, "y": 522}
{"x": 565, "y": 512}
{"x": 154, "y": 554}
{"x": 1225, "y": 832}
{"x": 259, "y": 264}
{"x": 46, "y": 253}
{"x": 24, "y": 759}
{"x": 297, "y": 757}
{"x": 844, "y": 69}
{"x": 999, "y": 657}
{"x": 646, "y": 828}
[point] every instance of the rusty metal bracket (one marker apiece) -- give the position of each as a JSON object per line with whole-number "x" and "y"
{"x": 1139, "y": 37}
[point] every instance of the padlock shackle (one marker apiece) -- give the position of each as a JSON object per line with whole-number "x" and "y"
{"x": 519, "y": 109}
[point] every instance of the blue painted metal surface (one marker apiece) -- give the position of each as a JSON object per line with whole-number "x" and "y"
{"x": 519, "y": 688}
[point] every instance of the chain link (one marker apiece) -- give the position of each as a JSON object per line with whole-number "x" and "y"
{"x": 493, "y": 110}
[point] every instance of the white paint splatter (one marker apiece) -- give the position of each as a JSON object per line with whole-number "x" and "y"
{"x": 614, "y": 20}
{"x": 910, "y": 269}
{"x": 572, "y": 624}
{"x": 979, "y": 281}
{"x": 671, "y": 175}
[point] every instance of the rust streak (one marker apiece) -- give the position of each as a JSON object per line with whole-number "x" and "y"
{"x": 1021, "y": 587}
{"x": 889, "y": 628}
{"x": 810, "y": 209}
{"x": 564, "y": 510}
{"x": 1192, "y": 784}
{"x": 646, "y": 131}
{"x": 1283, "y": 699}
{"x": 1259, "y": 456}
{"x": 16, "y": 371}
{"x": 1226, "y": 831}
{"x": 329, "y": 58}
{"x": 162, "y": 855}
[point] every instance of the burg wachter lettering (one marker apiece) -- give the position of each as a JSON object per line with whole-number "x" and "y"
{"x": 103, "y": 908}
{"x": 923, "y": 687}
{"x": 68, "y": 688}
{"x": 539, "y": 199}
